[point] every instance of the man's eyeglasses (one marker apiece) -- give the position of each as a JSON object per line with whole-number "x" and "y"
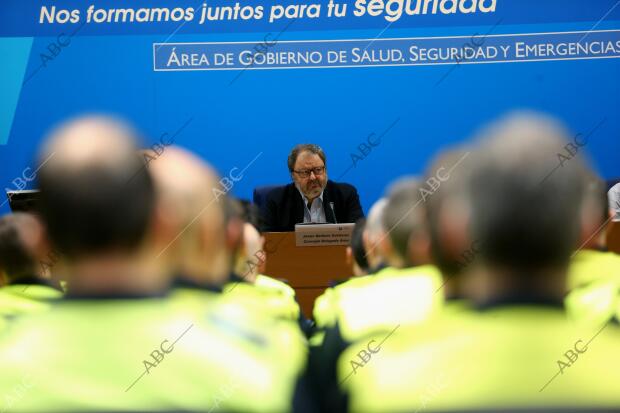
{"x": 305, "y": 173}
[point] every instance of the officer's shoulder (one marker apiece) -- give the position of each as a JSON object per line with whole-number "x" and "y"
{"x": 240, "y": 322}
{"x": 273, "y": 284}
{"x": 355, "y": 283}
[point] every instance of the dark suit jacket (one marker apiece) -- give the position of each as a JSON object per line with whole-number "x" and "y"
{"x": 284, "y": 206}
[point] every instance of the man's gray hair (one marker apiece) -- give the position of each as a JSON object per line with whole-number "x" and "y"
{"x": 305, "y": 147}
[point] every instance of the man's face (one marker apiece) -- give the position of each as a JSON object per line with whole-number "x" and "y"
{"x": 312, "y": 184}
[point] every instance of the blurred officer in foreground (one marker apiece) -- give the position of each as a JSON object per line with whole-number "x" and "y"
{"x": 401, "y": 294}
{"x": 518, "y": 351}
{"x": 594, "y": 273}
{"x": 326, "y": 305}
{"x": 27, "y": 287}
{"x": 264, "y": 294}
{"x": 194, "y": 222}
{"x": 206, "y": 231}
{"x": 99, "y": 349}
{"x": 452, "y": 250}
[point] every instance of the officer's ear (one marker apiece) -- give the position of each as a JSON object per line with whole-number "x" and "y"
{"x": 33, "y": 235}
{"x": 349, "y": 257}
{"x": 419, "y": 248}
{"x": 453, "y": 227}
{"x": 31, "y": 232}
{"x": 164, "y": 225}
{"x": 592, "y": 226}
{"x": 372, "y": 248}
{"x": 384, "y": 247}
{"x": 234, "y": 235}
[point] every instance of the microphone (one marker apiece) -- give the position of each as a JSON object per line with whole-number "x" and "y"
{"x": 331, "y": 205}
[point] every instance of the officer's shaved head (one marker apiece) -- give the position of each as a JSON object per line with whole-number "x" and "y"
{"x": 96, "y": 195}
{"x": 187, "y": 183}
{"x": 193, "y": 203}
{"x": 526, "y": 194}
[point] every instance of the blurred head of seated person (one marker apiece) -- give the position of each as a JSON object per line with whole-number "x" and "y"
{"x": 594, "y": 273}
{"x": 373, "y": 235}
{"x": 192, "y": 210}
{"x": 210, "y": 248}
{"x": 262, "y": 293}
{"x": 510, "y": 353}
{"x": 356, "y": 254}
{"x": 525, "y": 250}
{"x": 452, "y": 250}
{"x": 407, "y": 243}
{"x": 402, "y": 280}
{"x": 251, "y": 253}
{"x": 19, "y": 235}
{"x": 595, "y": 215}
{"x": 401, "y": 293}
{"x": 256, "y": 249}
{"x": 370, "y": 249}
{"x": 254, "y": 243}
{"x": 248, "y": 253}
{"x": 98, "y": 202}
{"x": 25, "y": 280}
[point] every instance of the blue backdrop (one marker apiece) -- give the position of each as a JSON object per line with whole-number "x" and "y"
{"x": 52, "y": 71}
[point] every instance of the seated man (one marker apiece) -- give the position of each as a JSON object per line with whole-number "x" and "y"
{"x": 516, "y": 351}
{"x": 311, "y": 197}
{"x": 101, "y": 348}
{"x": 26, "y": 288}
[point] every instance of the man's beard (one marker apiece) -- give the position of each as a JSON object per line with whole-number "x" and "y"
{"x": 314, "y": 186}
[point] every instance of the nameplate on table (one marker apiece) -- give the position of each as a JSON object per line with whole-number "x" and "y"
{"x": 322, "y": 235}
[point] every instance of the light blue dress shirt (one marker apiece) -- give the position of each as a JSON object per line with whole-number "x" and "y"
{"x": 316, "y": 213}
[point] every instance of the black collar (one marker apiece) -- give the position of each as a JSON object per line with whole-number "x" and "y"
{"x": 523, "y": 299}
{"x": 34, "y": 280}
{"x": 181, "y": 281}
{"x": 113, "y": 296}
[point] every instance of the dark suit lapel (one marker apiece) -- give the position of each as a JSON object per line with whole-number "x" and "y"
{"x": 327, "y": 198}
{"x": 297, "y": 214}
